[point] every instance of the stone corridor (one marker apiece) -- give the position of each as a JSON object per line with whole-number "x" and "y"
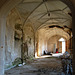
{"x": 34, "y": 28}
{"x": 40, "y": 66}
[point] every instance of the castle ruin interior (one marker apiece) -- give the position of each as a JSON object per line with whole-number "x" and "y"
{"x": 31, "y": 31}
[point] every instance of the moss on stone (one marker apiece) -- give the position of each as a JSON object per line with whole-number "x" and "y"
{"x": 17, "y": 61}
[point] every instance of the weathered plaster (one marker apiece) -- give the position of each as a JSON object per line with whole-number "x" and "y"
{"x": 29, "y": 38}
{"x": 13, "y": 48}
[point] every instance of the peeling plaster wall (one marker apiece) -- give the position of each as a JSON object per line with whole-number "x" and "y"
{"x": 18, "y": 38}
{"x": 52, "y": 43}
{"x": 12, "y": 47}
{"x": 29, "y": 38}
{"x": 69, "y": 45}
{"x": 42, "y": 43}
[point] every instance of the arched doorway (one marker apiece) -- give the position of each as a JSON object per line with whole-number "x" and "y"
{"x": 62, "y": 45}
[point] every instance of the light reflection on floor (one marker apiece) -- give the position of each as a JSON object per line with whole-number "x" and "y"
{"x": 53, "y": 55}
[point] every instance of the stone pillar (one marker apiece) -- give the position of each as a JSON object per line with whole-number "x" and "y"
{"x": 2, "y": 45}
{"x": 73, "y": 41}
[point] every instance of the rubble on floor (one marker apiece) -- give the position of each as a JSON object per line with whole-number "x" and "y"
{"x": 41, "y": 66}
{"x": 17, "y": 61}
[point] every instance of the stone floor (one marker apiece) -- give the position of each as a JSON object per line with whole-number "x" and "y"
{"x": 40, "y": 66}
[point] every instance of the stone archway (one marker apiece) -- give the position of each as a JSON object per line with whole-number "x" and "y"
{"x": 62, "y": 45}
{"x": 4, "y": 10}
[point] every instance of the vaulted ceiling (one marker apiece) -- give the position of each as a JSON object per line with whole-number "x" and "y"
{"x": 45, "y": 13}
{"x": 49, "y": 32}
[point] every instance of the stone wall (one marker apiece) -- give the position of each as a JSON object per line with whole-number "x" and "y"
{"x": 12, "y": 46}
{"x": 53, "y": 43}
{"x": 42, "y": 43}
{"x": 28, "y": 39}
